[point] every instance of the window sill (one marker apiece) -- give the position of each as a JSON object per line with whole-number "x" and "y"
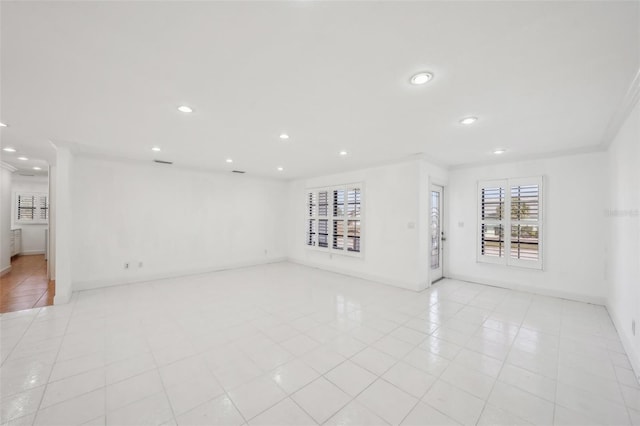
{"x": 515, "y": 263}
{"x": 356, "y": 254}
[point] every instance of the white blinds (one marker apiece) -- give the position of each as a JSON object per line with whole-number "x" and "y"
{"x": 510, "y": 222}
{"x": 31, "y": 208}
{"x": 44, "y": 207}
{"x": 491, "y": 218}
{"x": 334, "y": 218}
{"x": 525, "y": 217}
{"x": 26, "y": 207}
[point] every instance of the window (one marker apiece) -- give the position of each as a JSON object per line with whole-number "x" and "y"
{"x": 31, "y": 208}
{"x": 510, "y": 222}
{"x": 334, "y": 218}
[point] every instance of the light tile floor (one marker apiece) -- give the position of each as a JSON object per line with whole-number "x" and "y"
{"x": 287, "y": 345}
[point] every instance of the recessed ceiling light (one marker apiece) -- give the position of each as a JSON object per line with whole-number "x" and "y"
{"x": 184, "y": 108}
{"x": 23, "y": 158}
{"x": 284, "y": 136}
{"x": 499, "y": 151}
{"x": 343, "y": 153}
{"x": 229, "y": 160}
{"x": 421, "y": 78}
{"x": 37, "y": 168}
{"x": 468, "y": 120}
{"x": 156, "y": 149}
{"x": 280, "y": 169}
{"x": 3, "y": 125}
{"x": 9, "y": 149}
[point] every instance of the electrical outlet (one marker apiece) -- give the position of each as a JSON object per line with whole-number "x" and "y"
{"x": 140, "y": 264}
{"x": 633, "y": 327}
{"x": 126, "y": 265}
{"x": 266, "y": 252}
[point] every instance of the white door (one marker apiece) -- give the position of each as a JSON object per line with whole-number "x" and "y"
{"x": 436, "y": 236}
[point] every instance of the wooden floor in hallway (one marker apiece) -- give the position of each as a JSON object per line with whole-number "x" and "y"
{"x": 26, "y": 285}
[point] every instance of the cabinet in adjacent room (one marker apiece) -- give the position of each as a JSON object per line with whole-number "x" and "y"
{"x": 16, "y": 241}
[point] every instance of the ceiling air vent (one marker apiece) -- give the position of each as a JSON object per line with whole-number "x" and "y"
{"x": 163, "y": 162}
{"x": 238, "y": 171}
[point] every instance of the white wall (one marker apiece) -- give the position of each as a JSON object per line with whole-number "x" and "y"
{"x": 5, "y": 217}
{"x": 174, "y": 221}
{"x": 573, "y": 235}
{"x": 51, "y": 255}
{"x": 61, "y": 222}
{"x": 623, "y": 217}
{"x": 392, "y": 228}
{"x": 33, "y": 235}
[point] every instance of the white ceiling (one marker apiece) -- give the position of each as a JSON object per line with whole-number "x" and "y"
{"x": 542, "y": 77}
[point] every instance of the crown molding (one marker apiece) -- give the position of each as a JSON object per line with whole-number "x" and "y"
{"x": 627, "y": 105}
{"x": 6, "y": 166}
{"x": 531, "y": 157}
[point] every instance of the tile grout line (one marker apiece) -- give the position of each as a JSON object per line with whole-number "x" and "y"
{"x": 326, "y": 378}
{"x": 225, "y": 393}
{"x": 378, "y": 376}
{"x": 105, "y": 386}
{"x": 438, "y": 377}
{"x": 449, "y": 361}
{"x": 503, "y": 362}
{"x": 54, "y": 363}
{"x": 164, "y": 390}
{"x": 560, "y": 333}
{"x": 20, "y": 339}
{"x": 289, "y": 395}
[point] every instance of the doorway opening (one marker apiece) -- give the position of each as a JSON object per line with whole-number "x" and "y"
{"x": 26, "y": 283}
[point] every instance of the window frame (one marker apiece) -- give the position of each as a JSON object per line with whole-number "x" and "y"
{"x": 507, "y": 222}
{"x": 331, "y": 218}
{"x": 37, "y": 208}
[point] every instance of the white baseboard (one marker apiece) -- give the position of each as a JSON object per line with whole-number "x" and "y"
{"x": 31, "y": 252}
{"x": 92, "y": 285}
{"x": 61, "y": 298}
{"x": 5, "y": 271}
{"x": 626, "y": 343}
{"x": 596, "y": 300}
{"x": 369, "y": 277}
